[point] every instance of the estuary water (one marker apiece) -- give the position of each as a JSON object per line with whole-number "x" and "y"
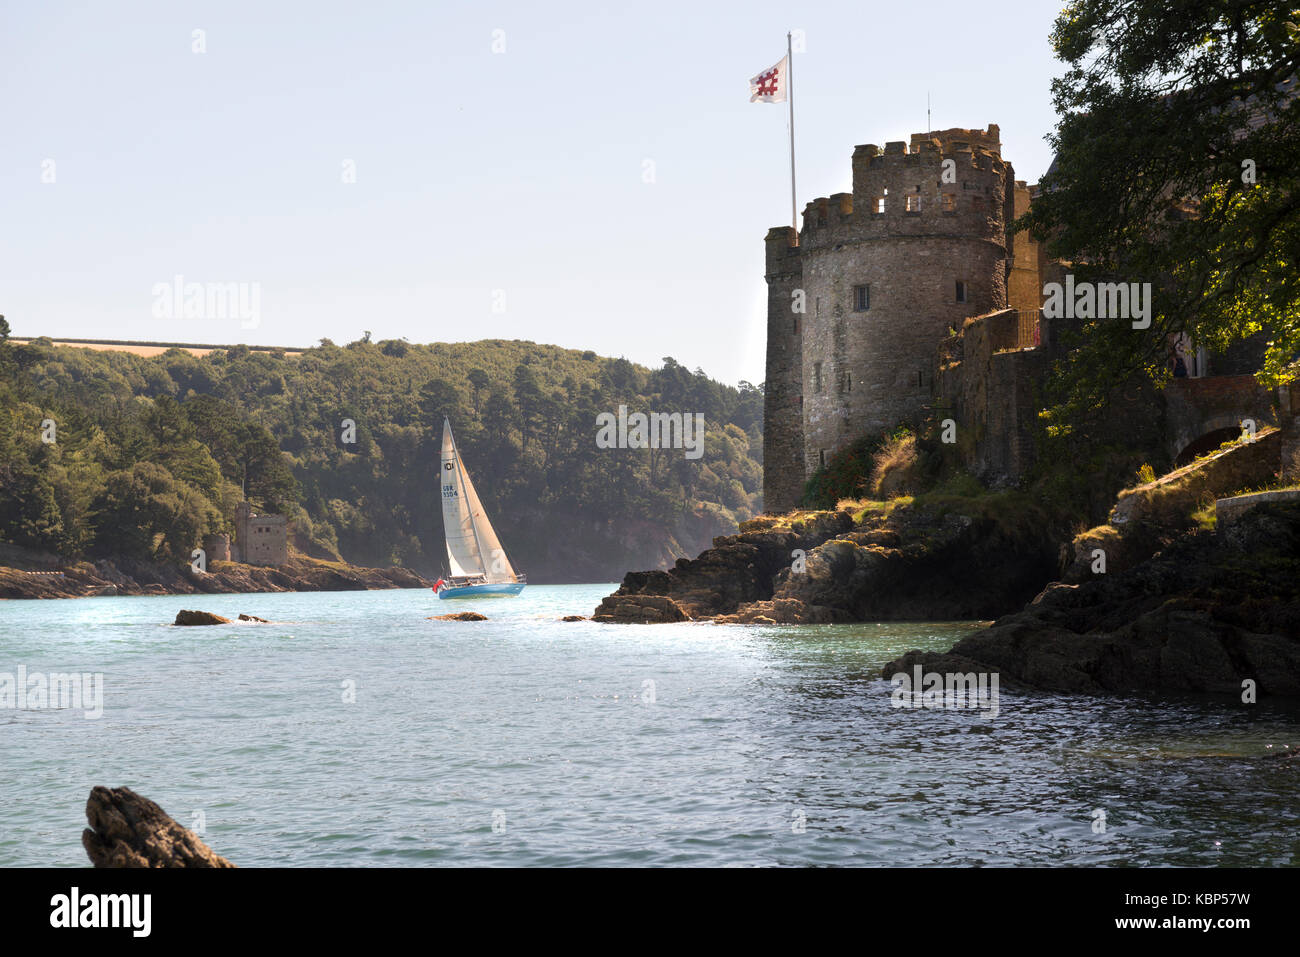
{"x": 353, "y": 731}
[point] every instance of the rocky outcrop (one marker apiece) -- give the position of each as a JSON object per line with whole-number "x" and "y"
{"x": 260, "y": 621}
{"x": 1147, "y": 518}
{"x": 1210, "y": 612}
{"x": 127, "y": 830}
{"x": 639, "y": 609}
{"x": 126, "y": 577}
{"x": 942, "y": 559}
{"x": 185, "y": 617}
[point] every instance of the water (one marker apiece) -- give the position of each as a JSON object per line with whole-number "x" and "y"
{"x": 544, "y": 730}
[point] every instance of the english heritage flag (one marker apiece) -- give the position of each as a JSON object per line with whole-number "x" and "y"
{"x": 770, "y": 85}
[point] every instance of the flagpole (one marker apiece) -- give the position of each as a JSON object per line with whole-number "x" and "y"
{"x": 789, "y": 59}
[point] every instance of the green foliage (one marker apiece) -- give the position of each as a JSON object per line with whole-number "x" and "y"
{"x": 144, "y": 512}
{"x": 1175, "y": 165}
{"x": 269, "y": 427}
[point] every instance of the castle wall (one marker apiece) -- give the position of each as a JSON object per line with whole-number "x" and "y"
{"x": 867, "y": 370}
{"x": 989, "y": 394}
{"x": 260, "y": 539}
{"x": 1025, "y": 288}
{"x": 783, "y": 467}
{"x": 879, "y": 268}
{"x": 217, "y": 547}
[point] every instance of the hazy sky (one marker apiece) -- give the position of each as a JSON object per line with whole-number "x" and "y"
{"x": 496, "y": 194}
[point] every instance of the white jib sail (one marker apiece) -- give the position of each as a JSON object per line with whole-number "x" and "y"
{"x": 473, "y": 548}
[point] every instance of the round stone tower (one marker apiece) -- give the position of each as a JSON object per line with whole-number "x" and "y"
{"x": 919, "y": 246}
{"x": 783, "y": 452}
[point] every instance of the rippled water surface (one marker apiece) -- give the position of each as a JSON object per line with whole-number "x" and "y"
{"x": 524, "y": 740}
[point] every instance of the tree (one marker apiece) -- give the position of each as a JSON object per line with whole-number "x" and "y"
{"x": 29, "y": 512}
{"x": 1175, "y": 165}
{"x": 479, "y": 382}
{"x": 439, "y": 400}
{"x": 144, "y": 513}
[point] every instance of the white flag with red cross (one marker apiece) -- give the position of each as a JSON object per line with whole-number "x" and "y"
{"x": 770, "y": 85}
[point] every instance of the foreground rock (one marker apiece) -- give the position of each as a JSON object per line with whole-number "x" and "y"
{"x": 186, "y": 617}
{"x": 943, "y": 559}
{"x": 459, "y": 616}
{"x": 127, "y": 830}
{"x": 1208, "y": 613}
{"x": 127, "y": 577}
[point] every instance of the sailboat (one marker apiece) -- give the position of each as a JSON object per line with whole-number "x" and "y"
{"x": 478, "y": 563}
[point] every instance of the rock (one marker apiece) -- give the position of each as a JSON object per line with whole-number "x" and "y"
{"x": 127, "y": 830}
{"x": 784, "y": 611}
{"x": 1205, "y": 615}
{"x": 909, "y": 562}
{"x": 459, "y": 616}
{"x": 575, "y": 618}
{"x": 199, "y": 618}
{"x": 639, "y": 609}
{"x": 243, "y": 617}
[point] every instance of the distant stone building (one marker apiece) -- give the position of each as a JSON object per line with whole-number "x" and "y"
{"x": 260, "y": 539}
{"x": 217, "y": 547}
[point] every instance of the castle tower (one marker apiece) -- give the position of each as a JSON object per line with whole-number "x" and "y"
{"x": 918, "y": 247}
{"x": 260, "y": 539}
{"x": 783, "y": 455}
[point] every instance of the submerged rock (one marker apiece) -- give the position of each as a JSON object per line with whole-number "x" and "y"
{"x": 459, "y": 616}
{"x": 575, "y": 618}
{"x": 127, "y": 830}
{"x": 200, "y": 618}
{"x": 243, "y": 617}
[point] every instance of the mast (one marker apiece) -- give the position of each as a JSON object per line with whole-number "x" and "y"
{"x": 789, "y": 79}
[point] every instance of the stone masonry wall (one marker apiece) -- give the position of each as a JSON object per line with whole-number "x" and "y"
{"x": 260, "y": 539}
{"x": 783, "y": 468}
{"x": 867, "y": 370}
{"x": 989, "y": 394}
{"x": 849, "y": 368}
{"x": 1025, "y": 291}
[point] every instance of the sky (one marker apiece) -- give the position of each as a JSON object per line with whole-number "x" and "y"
{"x": 586, "y": 174}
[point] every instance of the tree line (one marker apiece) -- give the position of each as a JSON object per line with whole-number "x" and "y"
{"x": 149, "y": 455}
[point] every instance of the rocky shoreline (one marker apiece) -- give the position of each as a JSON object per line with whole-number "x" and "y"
{"x": 126, "y": 577}
{"x": 909, "y": 562}
{"x": 1214, "y": 612}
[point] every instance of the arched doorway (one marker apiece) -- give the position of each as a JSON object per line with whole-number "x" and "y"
{"x": 1205, "y": 444}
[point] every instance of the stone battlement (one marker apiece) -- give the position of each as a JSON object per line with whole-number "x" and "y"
{"x": 913, "y": 190}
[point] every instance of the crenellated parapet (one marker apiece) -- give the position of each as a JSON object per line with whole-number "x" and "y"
{"x": 946, "y": 183}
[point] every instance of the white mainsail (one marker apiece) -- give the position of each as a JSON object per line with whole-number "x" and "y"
{"x": 473, "y": 549}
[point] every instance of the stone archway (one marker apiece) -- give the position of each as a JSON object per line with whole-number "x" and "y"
{"x": 1200, "y": 414}
{"x": 1215, "y": 436}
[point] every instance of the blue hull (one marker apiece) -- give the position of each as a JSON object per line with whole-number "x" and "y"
{"x": 483, "y": 591}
